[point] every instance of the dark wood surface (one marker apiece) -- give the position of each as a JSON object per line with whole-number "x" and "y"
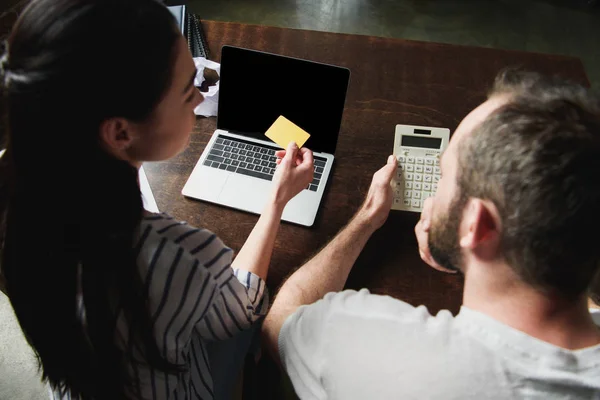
{"x": 392, "y": 82}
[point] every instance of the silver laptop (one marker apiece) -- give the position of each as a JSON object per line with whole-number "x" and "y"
{"x": 237, "y": 166}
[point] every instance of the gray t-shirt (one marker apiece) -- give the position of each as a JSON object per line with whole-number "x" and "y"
{"x": 355, "y": 345}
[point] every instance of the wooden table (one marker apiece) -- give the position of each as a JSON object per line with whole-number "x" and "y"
{"x": 392, "y": 81}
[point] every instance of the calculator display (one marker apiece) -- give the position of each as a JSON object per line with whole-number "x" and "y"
{"x": 426, "y": 142}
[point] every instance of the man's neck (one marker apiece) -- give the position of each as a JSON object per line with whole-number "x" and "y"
{"x": 498, "y": 293}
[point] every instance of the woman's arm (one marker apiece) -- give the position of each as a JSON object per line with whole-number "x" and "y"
{"x": 294, "y": 173}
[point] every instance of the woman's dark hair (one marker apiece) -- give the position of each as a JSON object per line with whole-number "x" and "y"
{"x": 70, "y": 212}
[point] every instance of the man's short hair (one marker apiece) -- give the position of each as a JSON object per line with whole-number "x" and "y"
{"x": 537, "y": 158}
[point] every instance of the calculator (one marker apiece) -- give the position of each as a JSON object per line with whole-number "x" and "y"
{"x": 418, "y": 150}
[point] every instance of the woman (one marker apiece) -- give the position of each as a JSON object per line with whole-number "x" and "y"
{"x": 116, "y": 302}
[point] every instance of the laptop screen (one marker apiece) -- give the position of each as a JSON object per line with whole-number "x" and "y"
{"x": 258, "y": 87}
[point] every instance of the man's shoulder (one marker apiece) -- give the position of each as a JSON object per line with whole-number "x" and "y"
{"x": 365, "y": 306}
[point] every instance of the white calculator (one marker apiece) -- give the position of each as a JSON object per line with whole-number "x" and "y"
{"x": 418, "y": 150}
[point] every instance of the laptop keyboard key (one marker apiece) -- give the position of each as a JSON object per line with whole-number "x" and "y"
{"x": 231, "y": 168}
{"x": 255, "y": 174}
{"x": 243, "y": 165}
{"x": 319, "y": 170}
{"x": 208, "y": 163}
{"x": 235, "y": 163}
{"x": 218, "y": 146}
{"x": 272, "y": 165}
{"x": 219, "y": 140}
{"x": 226, "y": 155}
{"x": 317, "y": 175}
{"x": 319, "y": 163}
{"x": 234, "y": 144}
{"x": 215, "y": 164}
{"x": 227, "y": 161}
{"x": 228, "y": 148}
{"x": 313, "y": 188}
{"x": 315, "y": 182}
{"x": 214, "y": 158}
{"x": 256, "y": 149}
{"x": 250, "y": 154}
{"x": 242, "y": 158}
{"x": 262, "y": 150}
{"x": 242, "y": 152}
{"x": 265, "y": 157}
{"x": 234, "y": 156}
{"x": 222, "y": 166}
{"x": 271, "y": 152}
{"x": 272, "y": 159}
{"x": 264, "y": 163}
{"x": 226, "y": 142}
{"x": 256, "y": 161}
{"x": 235, "y": 151}
{"x": 216, "y": 153}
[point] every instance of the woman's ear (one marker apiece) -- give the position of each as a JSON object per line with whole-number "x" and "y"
{"x": 116, "y": 136}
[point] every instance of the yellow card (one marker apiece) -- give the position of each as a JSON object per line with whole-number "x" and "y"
{"x": 283, "y": 131}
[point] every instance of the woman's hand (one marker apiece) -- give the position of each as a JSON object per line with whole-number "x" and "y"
{"x": 294, "y": 172}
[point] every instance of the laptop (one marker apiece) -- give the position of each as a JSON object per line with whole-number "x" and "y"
{"x": 237, "y": 166}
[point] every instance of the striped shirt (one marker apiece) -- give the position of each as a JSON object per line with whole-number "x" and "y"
{"x": 194, "y": 297}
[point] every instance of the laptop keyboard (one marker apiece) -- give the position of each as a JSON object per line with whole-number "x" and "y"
{"x": 251, "y": 159}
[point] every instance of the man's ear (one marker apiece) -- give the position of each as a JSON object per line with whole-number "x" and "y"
{"x": 116, "y": 135}
{"x": 482, "y": 225}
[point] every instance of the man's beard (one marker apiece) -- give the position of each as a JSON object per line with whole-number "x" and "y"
{"x": 443, "y": 236}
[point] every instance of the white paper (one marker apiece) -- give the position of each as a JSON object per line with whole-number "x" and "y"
{"x": 147, "y": 196}
{"x": 209, "y": 106}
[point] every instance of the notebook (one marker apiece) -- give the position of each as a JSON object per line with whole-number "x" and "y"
{"x": 237, "y": 166}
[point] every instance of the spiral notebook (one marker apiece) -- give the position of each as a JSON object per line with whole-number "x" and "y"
{"x": 191, "y": 28}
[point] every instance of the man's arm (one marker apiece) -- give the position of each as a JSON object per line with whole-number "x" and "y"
{"x": 327, "y": 271}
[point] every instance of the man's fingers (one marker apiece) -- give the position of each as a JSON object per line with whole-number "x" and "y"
{"x": 389, "y": 169}
{"x": 280, "y": 153}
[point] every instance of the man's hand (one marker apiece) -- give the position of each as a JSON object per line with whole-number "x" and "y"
{"x": 378, "y": 202}
{"x": 294, "y": 172}
{"x": 422, "y": 233}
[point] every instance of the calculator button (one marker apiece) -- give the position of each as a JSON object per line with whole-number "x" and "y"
{"x": 408, "y": 176}
{"x": 437, "y": 162}
{"x": 418, "y": 177}
{"x": 419, "y": 168}
{"x": 434, "y": 187}
{"x": 436, "y": 179}
{"x": 427, "y": 178}
{"x": 416, "y": 203}
{"x": 401, "y": 159}
{"x": 419, "y": 160}
{"x": 406, "y": 202}
{"x": 416, "y": 195}
{"x": 397, "y": 201}
{"x": 410, "y": 168}
{"x": 398, "y": 193}
{"x": 408, "y": 185}
{"x": 426, "y": 195}
{"x": 437, "y": 170}
{"x": 417, "y": 186}
{"x": 428, "y": 169}
{"x": 427, "y": 186}
{"x": 410, "y": 160}
{"x": 408, "y": 194}
{"x": 429, "y": 161}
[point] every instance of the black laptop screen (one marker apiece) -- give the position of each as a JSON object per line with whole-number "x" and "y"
{"x": 257, "y": 87}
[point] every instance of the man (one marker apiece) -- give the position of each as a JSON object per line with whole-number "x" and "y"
{"x": 516, "y": 211}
